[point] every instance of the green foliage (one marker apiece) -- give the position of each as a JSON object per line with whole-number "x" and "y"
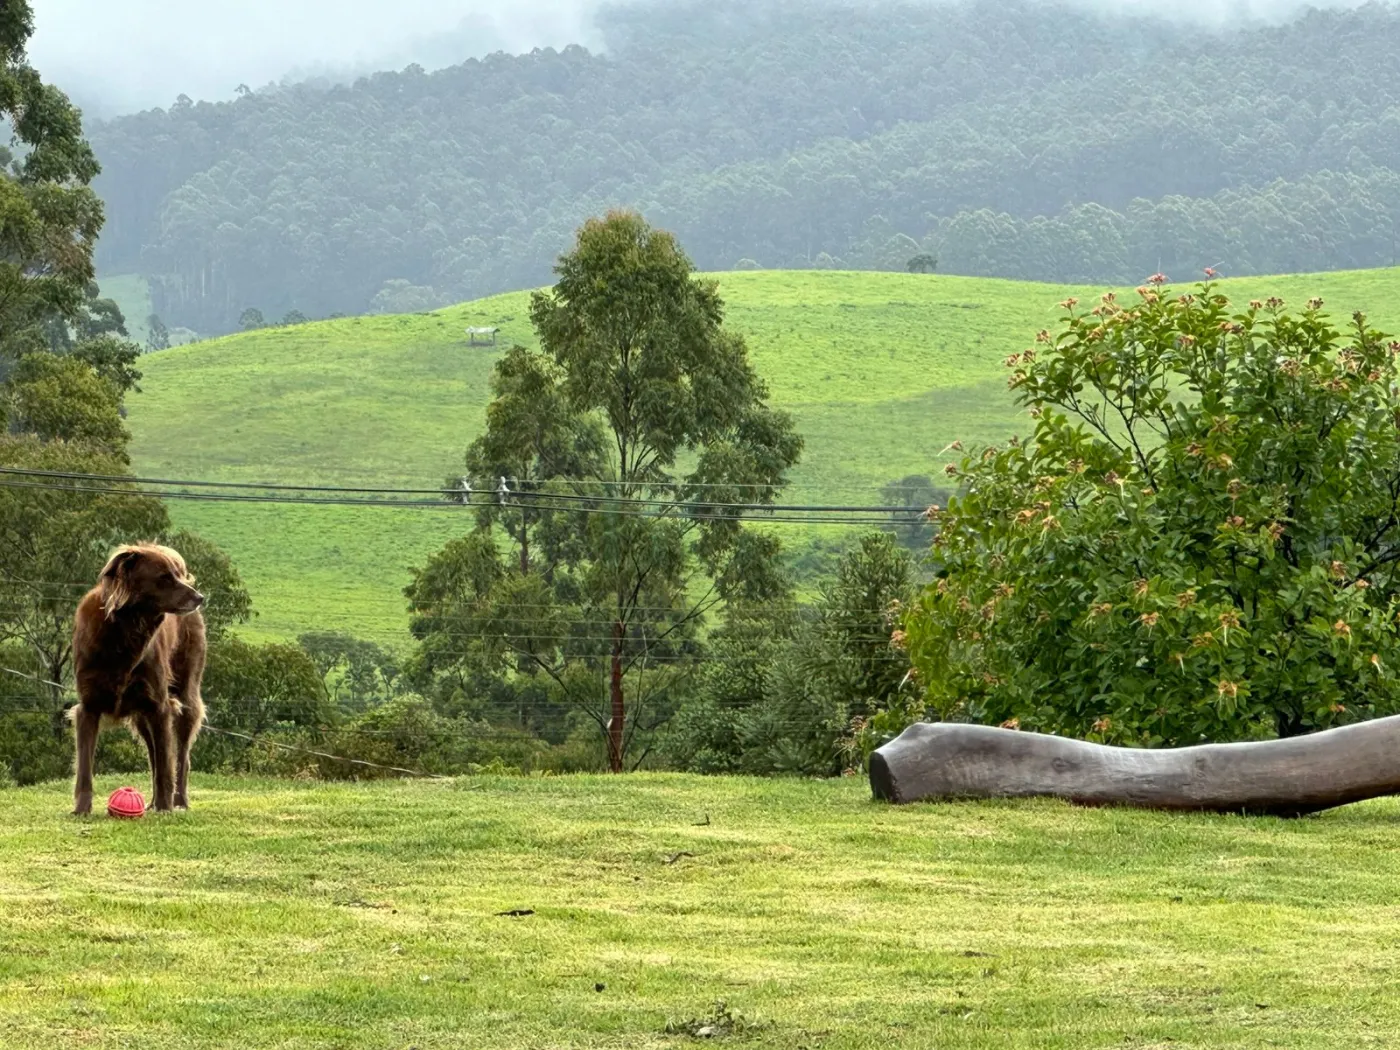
{"x": 1198, "y": 543}
{"x": 408, "y": 732}
{"x": 533, "y": 432}
{"x": 95, "y": 333}
{"x": 251, "y": 318}
{"x": 924, "y": 262}
{"x": 789, "y": 690}
{"x": 357, "y": 674}
{"x": 713, "y": 731}
{"x": 257, "y": 690}
{"x": 35, "y": 740}
{"x": 635, "y": 371}
{"x": 64, "y": 399}
{"x": 49, "y": 220}
{"x": 49, "y": 217}
{"x": 113, "y": 360}
{"x": 855, "y": 617}
{"x": 403, "y": 297}
{"x": 159, "y": 337}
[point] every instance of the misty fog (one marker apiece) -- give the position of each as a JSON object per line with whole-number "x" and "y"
{"x": 119, "y": 57}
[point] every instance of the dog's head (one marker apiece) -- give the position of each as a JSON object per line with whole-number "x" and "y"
{"x": 150, "y": 577}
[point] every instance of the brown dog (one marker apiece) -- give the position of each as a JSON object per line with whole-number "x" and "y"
{"x": 138, "y": 656}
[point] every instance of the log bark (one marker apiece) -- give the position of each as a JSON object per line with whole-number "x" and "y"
{"x": 1278, "y": 777}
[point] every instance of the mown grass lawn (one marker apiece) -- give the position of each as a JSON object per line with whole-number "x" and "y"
{"x": 283, "y": 914}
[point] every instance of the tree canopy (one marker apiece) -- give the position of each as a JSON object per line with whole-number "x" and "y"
{"x": 1200, "y": 541}
{"x": 624, "y": 447}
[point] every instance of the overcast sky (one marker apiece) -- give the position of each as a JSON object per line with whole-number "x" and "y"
{"x": 116, "y": 56}
{"x": 135, "y": 54}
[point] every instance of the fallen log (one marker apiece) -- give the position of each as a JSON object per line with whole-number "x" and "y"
{"x": 1289, "y": 777}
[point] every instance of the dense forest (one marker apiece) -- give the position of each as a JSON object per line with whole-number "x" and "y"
{"x": 1010, "y": 139}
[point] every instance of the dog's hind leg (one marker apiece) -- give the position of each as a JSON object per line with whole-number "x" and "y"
{"x": 187, "y": 671}
{"x": 86, "y": 724}
{"x": 187, "y": 724}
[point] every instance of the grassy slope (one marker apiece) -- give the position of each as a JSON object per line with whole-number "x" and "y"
{"x": 282, "y": 914}
{"x": 881, "y": 371}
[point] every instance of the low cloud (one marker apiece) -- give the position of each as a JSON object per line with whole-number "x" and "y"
{"x": 136, "y": 54}
{"x": 118, "y": 56}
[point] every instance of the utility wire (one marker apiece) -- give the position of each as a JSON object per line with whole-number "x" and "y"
{"x": 503, "y": 496}
{"x": 487, "y": 485}
{"x": 692, "y": 511}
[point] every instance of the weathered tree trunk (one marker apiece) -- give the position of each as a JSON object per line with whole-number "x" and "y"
{"x": 617, "y": 722}
{"x": 1281, "y": 777}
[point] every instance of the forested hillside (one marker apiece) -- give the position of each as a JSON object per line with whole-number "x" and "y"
{"x": 1021, "y": 140}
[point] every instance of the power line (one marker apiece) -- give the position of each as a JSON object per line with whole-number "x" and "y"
{"x": 486, "y": 485}
{"x": 503, "y": 497}
{"x": 692, "y": 511}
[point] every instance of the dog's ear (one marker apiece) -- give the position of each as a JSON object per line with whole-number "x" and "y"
{"x": 115, "y": 580}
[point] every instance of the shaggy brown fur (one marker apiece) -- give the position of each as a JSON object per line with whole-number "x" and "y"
{"x": 138, "y": 656}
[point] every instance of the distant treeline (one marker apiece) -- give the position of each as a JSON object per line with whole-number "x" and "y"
{"x": 1019, "y": 139}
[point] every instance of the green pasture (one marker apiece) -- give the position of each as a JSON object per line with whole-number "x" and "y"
{"x": 881, "y": 371}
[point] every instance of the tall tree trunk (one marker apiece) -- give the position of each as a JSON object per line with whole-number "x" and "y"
{"x": 55, "y": 671}
{"x": 616, "y": 722}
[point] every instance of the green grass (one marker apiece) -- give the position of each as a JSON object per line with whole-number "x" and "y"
{"x": 881, "y": 371}
{"x": 278, "y": 914}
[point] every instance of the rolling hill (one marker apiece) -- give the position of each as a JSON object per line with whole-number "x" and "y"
{"x": 880, "y": 370}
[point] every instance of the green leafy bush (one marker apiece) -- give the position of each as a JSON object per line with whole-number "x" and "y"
{"x": 788, "y": 690}
{"x": 1200, "y": 541}
{"x": 406, "y": 732}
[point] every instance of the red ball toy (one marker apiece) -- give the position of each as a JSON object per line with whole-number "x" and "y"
{"x": 126, "y": 803}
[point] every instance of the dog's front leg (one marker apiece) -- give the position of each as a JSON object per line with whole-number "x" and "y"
{"x": 86, "y": 725}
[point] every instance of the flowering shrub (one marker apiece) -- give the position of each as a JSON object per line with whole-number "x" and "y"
{"x": 1200, "y": 541}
